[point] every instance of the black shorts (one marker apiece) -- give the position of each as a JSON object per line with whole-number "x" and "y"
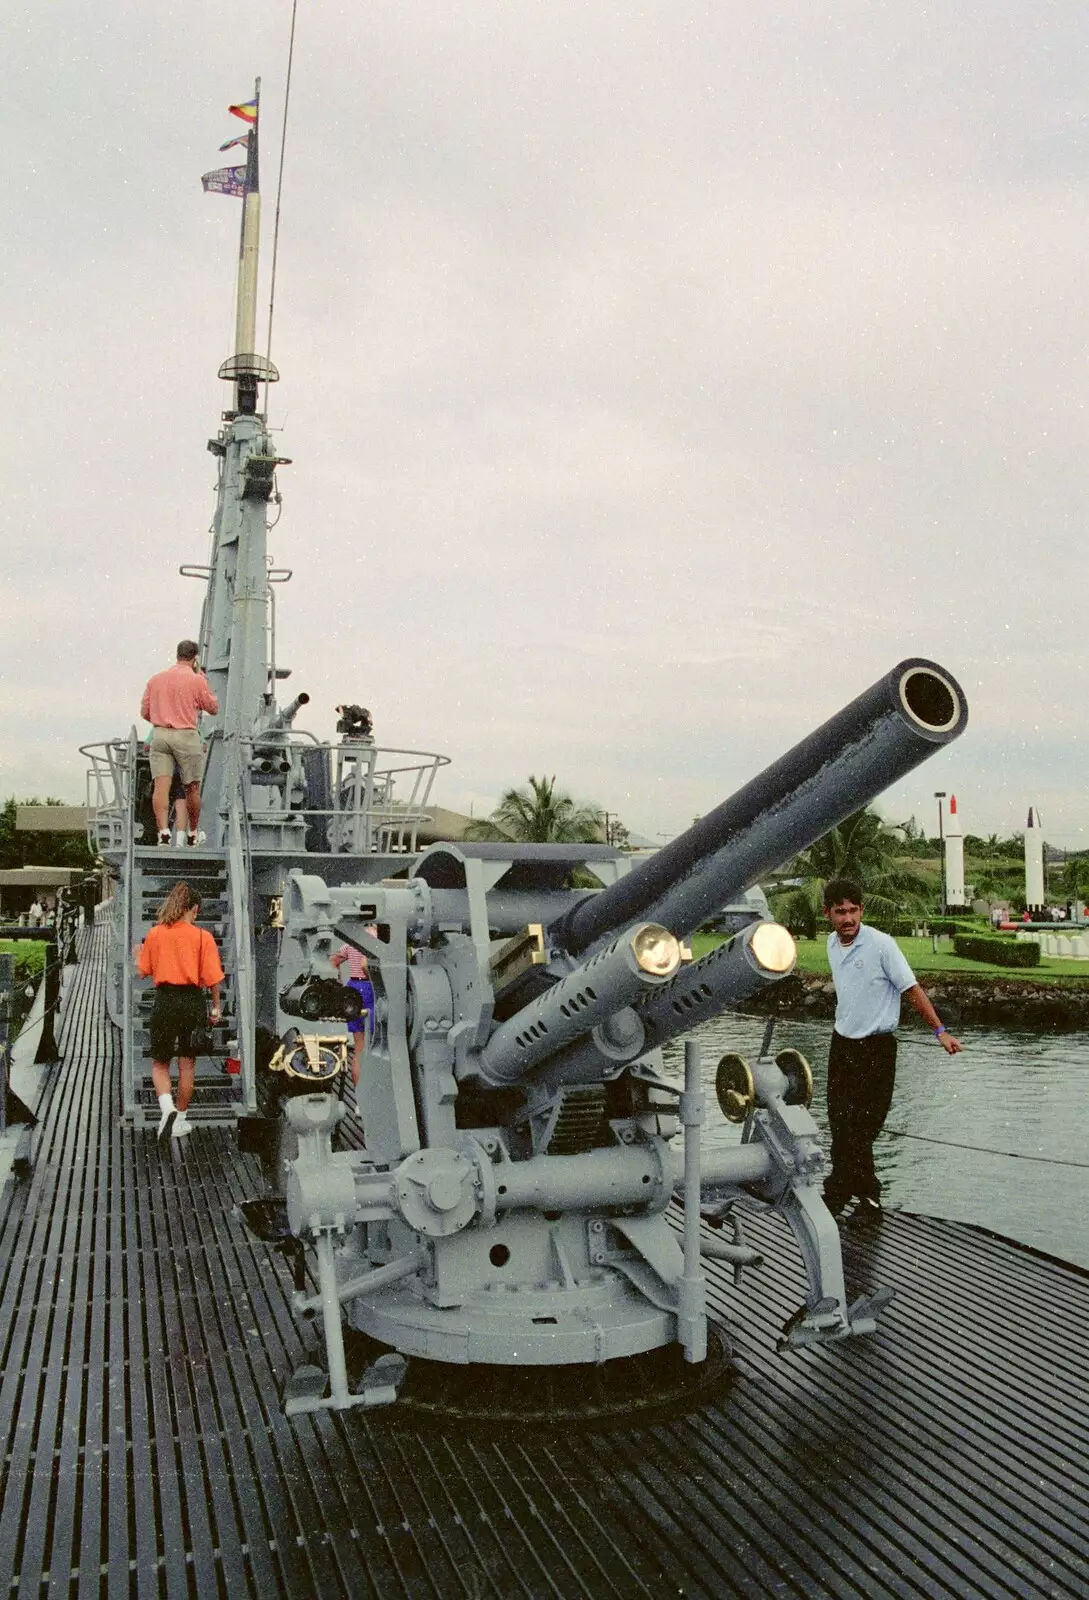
{"x": 178, "y": 1009}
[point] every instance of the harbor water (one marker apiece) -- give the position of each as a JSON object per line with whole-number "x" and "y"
{"x": 1025, "y": 1095}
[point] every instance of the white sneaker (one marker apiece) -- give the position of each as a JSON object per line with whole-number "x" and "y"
{"x": 166, "y": 1123}
{"x": 182, "y": 1126}
{"x": 198, "y": 838}
{"x": 164, "y": 836}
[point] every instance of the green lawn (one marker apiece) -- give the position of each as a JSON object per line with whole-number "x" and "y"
{"x": 923, "y": 958}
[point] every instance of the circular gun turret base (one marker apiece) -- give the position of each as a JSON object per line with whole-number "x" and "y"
{"x": 633, "y": 1391}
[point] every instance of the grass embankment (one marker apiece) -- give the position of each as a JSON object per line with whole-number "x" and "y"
{"x": 29, "y": 957}
{"x": 922, "y": 957}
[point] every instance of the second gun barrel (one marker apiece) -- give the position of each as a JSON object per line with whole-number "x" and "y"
{"x": 643, "y": 958}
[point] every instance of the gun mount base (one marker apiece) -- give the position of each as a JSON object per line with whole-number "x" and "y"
{"x": 585, "y": 1325}
{"x": 633, "y": 1392}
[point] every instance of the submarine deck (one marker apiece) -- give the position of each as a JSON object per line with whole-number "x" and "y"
{"x": 146, "y": 1336}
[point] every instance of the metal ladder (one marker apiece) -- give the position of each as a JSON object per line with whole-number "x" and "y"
{"x": 154, "y": 872}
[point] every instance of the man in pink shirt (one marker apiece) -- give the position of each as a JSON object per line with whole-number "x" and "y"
{"x": 171, "y": 702}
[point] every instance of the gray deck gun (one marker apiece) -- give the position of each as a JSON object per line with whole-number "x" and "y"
{"x": 510, "y": 1204}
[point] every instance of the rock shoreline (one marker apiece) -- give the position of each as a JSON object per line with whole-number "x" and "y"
{"x": 960, "y": 998}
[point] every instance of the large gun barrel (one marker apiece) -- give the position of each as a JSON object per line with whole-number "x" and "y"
{"x": 906, "y": 716}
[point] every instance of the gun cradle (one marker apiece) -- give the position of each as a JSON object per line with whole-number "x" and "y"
{"x": 521, "y": 1149}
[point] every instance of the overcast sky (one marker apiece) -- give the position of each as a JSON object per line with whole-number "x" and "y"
{"x": 656, "y": 376}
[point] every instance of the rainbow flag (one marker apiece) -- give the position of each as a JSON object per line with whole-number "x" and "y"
{"x": 247, "y": 111}
{"x": 243, "y": 139}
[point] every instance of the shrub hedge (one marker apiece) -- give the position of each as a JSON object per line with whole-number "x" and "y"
{"x": 905, "y": 927}
{"x": 999, "y": 952}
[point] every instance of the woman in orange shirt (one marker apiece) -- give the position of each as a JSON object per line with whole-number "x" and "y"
{"x": 184, "y": 961}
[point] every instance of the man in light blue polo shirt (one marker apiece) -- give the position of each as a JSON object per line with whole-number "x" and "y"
{"x": 871, "y": 977}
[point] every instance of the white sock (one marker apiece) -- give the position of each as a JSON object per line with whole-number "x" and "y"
{"x": 166, "y": 1102}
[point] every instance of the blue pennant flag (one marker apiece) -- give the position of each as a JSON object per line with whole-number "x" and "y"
{"x": 228, "y": 180}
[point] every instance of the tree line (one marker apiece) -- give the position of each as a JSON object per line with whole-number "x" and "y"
{"x": 883, "y": 856}
{"x": 31, "y": 848}
{"x": 892, "y": 861}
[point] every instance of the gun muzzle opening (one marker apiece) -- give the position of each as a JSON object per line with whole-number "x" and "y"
{"x": 657, "y": 952}
{"x": 773, "y": 947}
{"x": 930, "y": 699}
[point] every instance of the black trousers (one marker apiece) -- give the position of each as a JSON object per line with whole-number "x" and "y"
{"x": 861, "y": 1076}
{"x": 178, "y": 1009}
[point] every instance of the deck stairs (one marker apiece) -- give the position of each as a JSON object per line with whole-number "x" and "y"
{"x": 155, "y": 871}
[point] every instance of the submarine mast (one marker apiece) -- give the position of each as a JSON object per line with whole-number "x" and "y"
{"x": 235, "y": 621}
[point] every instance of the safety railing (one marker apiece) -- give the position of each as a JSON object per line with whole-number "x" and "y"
{"x": 109, "y": 781}
{"x": 241, "y": 953}
{"x": 352, "y": 798}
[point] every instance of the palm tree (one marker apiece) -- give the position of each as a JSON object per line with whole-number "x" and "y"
{"x": 539, "y": 813}
{"x": 866, "y": 847}
{"x": 1075, "y": 877}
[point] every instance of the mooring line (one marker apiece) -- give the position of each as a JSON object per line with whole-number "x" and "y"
{"x": 986, "y": 1150}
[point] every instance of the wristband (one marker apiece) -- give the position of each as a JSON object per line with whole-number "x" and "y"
{"x": 939, "y": 1031}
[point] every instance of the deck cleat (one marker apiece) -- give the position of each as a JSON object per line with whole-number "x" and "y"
{"x": 825, "y": 1323}
{"x": 864, "y": 1312}
{"x": 311, "y": 1389}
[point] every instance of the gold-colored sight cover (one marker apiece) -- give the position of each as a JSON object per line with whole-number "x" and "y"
{"x": 656, "y": 950}
{"x": 774, "y": 947}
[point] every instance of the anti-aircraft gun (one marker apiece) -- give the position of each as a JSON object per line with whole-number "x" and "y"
{"x": 508, "y": 1207}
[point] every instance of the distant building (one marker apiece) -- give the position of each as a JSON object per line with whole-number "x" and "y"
{"x": 20, "y": 886}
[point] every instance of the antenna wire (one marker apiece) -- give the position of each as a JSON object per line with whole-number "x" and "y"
{"x": 279, "y": 192}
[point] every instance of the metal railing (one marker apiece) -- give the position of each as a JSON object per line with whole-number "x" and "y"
{"x": 109, "y": 783}
{"x": 239, "y": 882}
{"x": 368, "y": 816}
{"x": 377, "y": 796}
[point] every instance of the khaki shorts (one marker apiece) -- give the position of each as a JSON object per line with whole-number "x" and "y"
{"x": 181, "y": 746}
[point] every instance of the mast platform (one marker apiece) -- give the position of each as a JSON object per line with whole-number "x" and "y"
{"x": 146, "y": 1337}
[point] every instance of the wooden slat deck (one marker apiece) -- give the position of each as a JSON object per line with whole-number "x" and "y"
{"x": 145, "y": 1338}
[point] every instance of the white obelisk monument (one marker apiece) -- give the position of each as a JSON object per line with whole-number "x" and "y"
{"x": 954, "y": 859}
{"x": 1034, "y": 861}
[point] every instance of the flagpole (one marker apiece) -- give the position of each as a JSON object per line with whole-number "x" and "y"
{"x": 245, "y": 330}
